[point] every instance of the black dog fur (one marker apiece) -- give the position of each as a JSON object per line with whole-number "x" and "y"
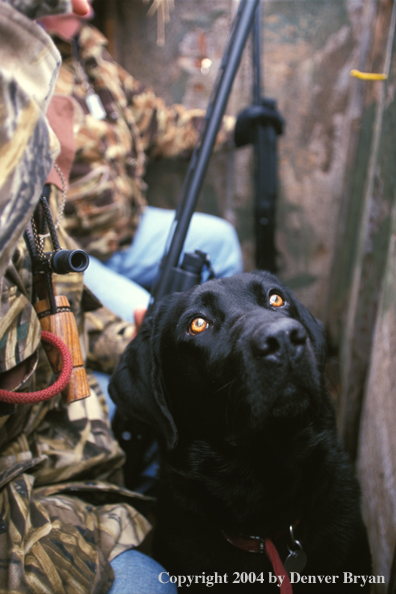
{"x": 248, "y": 436}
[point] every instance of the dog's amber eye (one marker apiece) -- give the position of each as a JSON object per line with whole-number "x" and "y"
{"x": 276, "y": 300}
{"x": 198, "y": 325}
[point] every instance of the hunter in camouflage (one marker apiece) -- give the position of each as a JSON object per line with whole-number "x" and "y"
{"x": 64, "y": 512}
{"x": 107, "y": 190}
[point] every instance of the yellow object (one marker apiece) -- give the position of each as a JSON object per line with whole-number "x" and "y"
{"x": 368, "y": 75}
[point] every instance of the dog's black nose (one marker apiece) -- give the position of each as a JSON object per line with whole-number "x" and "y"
{"x": 274, "y": 340}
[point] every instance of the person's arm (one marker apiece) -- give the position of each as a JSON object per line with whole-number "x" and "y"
{"x": 29, "y": 62}
{"x": 28, "y": 65}
{"x": 108, "y": 337}
{"x": 168, "y": 130}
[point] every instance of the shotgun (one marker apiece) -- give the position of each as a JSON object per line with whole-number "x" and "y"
{"x": 170, "y": 273}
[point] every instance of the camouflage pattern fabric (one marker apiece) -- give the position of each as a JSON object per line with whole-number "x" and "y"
{"x": 107, "y": 191}
{"x": 35, "y": 9}
{"x": 24, "y": 129}
{"x": 19, "y": 327}
{"x": 105, "y": 334}
{"x": 63, "y": 511}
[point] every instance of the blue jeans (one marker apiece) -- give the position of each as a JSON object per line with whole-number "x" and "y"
{"x": 119, "y": 281}
{"x": 136, "y": 573}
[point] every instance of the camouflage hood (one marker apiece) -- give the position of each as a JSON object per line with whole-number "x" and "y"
{"x": 27, "y": 145}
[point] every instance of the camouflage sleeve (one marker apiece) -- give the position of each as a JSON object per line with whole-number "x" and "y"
{"x": 108, "y": 337}
{"x": 20, "y": 333}
{"x": 168, "y": 131}
{"x": 29, "y": 62}
{"x": 35, "y": 9}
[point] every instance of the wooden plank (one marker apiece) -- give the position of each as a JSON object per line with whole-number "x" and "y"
{"x": 377, "y": 449}
{"x": 371, "y": 248}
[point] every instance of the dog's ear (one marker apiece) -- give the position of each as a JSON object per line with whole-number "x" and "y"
{"x": 136, "y": 385}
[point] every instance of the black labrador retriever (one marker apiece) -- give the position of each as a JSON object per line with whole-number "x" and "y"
{"x": 254, "y": 484}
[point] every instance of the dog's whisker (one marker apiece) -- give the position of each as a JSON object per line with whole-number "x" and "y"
{"x": 227, "y": 385}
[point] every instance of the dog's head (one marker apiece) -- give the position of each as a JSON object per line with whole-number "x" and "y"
{"x": 223, "y": 358}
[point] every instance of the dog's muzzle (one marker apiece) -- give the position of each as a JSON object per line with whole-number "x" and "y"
{"x": 278, "y": 340}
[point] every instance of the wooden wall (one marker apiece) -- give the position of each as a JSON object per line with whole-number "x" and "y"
{"x": 364, "y": 289}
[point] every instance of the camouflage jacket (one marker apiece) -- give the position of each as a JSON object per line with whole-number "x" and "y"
{"x": 34, "y": 9}
{"x": 24, "y": 96}
{"x": 63, "y": 512}
{"x": 107, "y": 191}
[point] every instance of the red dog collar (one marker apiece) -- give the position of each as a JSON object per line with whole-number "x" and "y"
{"x": 256, "y": 544}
